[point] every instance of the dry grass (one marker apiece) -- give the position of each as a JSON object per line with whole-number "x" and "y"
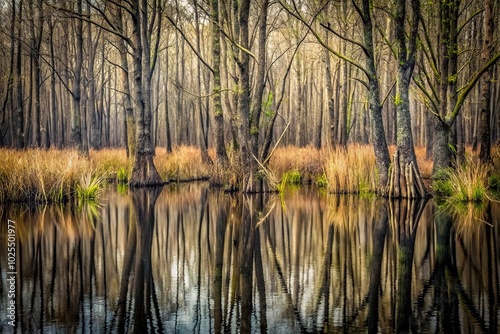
{"x": 308, "y": 161}
{"x": 351, "y": 171}
{"x": 425, "y": 165}
{"x": 183, "y": 164}
{"x": 39, "y": 175}
{"x": 55, "y": 175}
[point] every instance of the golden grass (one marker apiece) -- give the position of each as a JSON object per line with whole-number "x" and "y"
{"x": 183, "y": 164}
{"x": 352, "y": 170}
{"x": 308, "y": 161}
{"x": 39, "y": 175}
{"x": 55, "y": 175}
{"x": 425, "y": 165}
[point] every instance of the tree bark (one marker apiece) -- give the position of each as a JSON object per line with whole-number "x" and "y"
{"x": 203, "y": 139}
{"x": 144, "y": 172}
{"x": 409, "y": 181}
{"x": 168, "y": 135}
{"x": 76, "y": 134}
{"x": 125, "y": 78}
{"x": 329, "y": 96}
{"x": 243, "y": 122}
{"x": 53, "y": 97}
{"x": 20, "y": 129}
{"x": 378, "y": 132}
{"x": 485, "y": 136}
{"x": 260, "y": 86}
{"x": 95, "y": 134}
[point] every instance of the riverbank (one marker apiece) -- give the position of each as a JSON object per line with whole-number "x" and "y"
{"x": 37, "y": 175}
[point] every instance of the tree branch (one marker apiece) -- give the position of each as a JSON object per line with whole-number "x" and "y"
{"x": 468, "y": 89}
{"x": 189, "y": 43}
{"x": 320, "y": 40}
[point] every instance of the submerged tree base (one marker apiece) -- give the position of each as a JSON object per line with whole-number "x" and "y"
{"x": 405, "y": 180}
{"x": 144, "y": 172}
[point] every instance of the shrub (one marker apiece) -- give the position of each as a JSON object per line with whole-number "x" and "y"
{"x": 467, "y": 182}
{"x": 90, "y": 186}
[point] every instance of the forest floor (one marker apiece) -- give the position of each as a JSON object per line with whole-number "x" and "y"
{"x": 54, "y": 175}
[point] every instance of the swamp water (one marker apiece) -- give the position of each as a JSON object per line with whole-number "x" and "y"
{"x": 186, "y": 259}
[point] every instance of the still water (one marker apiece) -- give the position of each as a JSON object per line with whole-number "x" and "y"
{"x": 191, "y": 260}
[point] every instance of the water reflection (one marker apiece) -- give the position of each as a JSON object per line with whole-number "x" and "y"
{"x": 191, "y": 260}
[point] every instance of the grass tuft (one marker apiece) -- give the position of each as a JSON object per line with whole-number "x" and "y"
{"x": 90, "y": 186}
{"x": 467, "y": 182}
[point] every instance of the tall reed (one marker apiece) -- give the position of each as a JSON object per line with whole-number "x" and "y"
{"x": 352, "y": 170}
{"x": 467, "y": 182}
{"x": 38, "y": 175}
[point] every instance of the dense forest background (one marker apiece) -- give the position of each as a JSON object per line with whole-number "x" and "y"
{"x": 215, "y": 73}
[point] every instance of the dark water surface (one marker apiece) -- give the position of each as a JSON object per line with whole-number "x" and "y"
{"x": 190, "y": 260}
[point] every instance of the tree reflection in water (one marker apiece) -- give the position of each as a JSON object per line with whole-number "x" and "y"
{"x": 192, "y": 260}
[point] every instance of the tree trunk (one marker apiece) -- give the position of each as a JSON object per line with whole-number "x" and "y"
{"x": 485, "y": 136}
{"x": 405, "y": 180}
{"x": 127, "y": 100}
{"x": 260, "y": 86}
{"x": 76, "y": 134}
{"x": 144, "y": 172}
{"x": 329, "y": 96}
{"x": 95, "y": 134}
{"x": 53, "y": 97}
{"x": 203, "y": 133}
{"x": 378, "y": 133}
{"x": 36, "y": 42}
{"x": 20, "y": 129}
{"x": 243, "y": 122}
{"x": 168, "y": 136}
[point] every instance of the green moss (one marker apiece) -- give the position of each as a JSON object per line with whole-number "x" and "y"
{"x": 397, "y": 100}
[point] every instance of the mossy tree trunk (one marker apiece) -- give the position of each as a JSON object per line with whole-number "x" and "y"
{"x": 448, "y": 94}
{"x": 220, "y": 145}
{"x": 405, "y": 180}
{"x": 255, "y": 117}
{"x": 485, "y": 136}
{"x": 378, "y": 132}
{"x": 243, "y": 118}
